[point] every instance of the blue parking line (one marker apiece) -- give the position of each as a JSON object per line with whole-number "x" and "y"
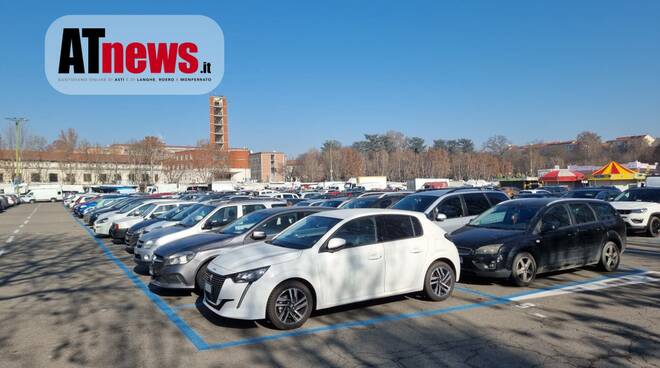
{"x": 170, "y": 313}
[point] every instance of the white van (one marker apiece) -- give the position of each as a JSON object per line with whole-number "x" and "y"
{"x": 42, "y": 195}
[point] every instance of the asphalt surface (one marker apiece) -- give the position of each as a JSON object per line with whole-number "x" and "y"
{"x": 69, "y": 299}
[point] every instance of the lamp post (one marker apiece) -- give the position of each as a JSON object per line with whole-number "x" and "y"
{"x": 18, "y": 170}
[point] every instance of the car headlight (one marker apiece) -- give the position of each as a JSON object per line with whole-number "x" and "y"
{"x": 149, "y": 243}
{"x": 639, "y": 210}
{"x": 102, "y": 221}
{"x": 491, "y": 249}
{"x": 250, "y": 276}
{"x": 179, "y": 258}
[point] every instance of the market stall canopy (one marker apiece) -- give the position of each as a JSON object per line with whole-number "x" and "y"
{"x": 614, "y": 171}
{"x": 562, "y": 176}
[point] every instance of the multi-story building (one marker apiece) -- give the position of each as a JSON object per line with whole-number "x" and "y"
{"x": 268, "y": 167}
{"x": 219, "y": 126}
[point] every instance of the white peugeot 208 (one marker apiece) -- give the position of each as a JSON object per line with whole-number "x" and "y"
{"x": 332, "y": 258}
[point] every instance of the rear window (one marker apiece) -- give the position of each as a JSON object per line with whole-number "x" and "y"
{"x": 582, "y": 213}
{"x": 476, "y": 203}
{"x": 417, "y": 203}
{"x": 394, "y": 227}
{"x": 496, "y": 198}
{"x": 604, "y": 211}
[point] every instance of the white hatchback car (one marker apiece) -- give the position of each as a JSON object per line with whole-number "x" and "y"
{"x": 329, "y": 259}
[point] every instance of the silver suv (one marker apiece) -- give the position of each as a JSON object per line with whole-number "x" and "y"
{"x": 451, "y": 208}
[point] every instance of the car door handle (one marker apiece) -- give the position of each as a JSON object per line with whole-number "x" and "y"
{"x": 416, "y": 250}
{"x": 374, "y": 257}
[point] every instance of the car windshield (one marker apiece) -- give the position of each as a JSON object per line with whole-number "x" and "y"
{"x": 639, "y": 195}
{"x": 508, "y": 216}
{"x": 143, "y": 210}
{"x": 418, "y": 203}
{"x": 130, "y": 206}
{"x": 361, "y": 202}
{"x": 305, "y": 233}
{"x": 582, "y": 194}
{"x": 173, "y": 212}
{"x": 244, "y": 223}
{"x": 183, "y": 214}
{"x": 196, "y": 216}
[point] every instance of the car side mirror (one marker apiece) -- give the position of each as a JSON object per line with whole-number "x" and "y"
{"x": 548, "y": 227}
{"x": 259, "y": 235}
{"x": 210, "y": 224}
{"x": 336, "y": 243}
{"x": 440, "y": 217}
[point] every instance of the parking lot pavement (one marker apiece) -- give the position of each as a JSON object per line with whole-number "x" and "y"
{"x": 68, "y": 299}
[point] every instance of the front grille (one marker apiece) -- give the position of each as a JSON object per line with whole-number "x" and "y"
{"x": 623, "y": 212}
{"x": 464, "y": 251}
{"x": 216, "y": 282}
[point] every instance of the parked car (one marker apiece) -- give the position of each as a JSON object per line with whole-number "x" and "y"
{"x": 182, "y": 263}
{"x": 555, "y": 190}
{"x": 204, "y": 219}
{"x": 165, "y": 220}
{"x": 120, "y": 227}
{"x": 379, "y": 200}
{"x": 90, "y": 217}
{"x": 329, "y": 259}
{"x": 451, "y": 208}
{"x": 104, "y": 223}
{"x": 535, "y": 195}
{"x": 605, "y": 194}
{"x": 521, "y": 238}
{"x": 334, "y": 203}
{"x": 640, "y": 209}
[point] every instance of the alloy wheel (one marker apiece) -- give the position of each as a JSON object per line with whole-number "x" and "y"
{"x": 610, "y": 256}
{"x": 525, "y": 269}
{"x": 441, "y": 280}
{"x": 291, "y": 305}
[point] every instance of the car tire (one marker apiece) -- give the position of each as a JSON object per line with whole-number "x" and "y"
{"x": 289, "y": 305}
{"x": 32, "y": 201}
{"x": 52, "y": 199}
{"x": 439, "y": 281}
{"x": 523, "y": 269}
{"x": 654, "y": 227}
{"x": 200, "y": 278}
{"x": 610, "y": 256}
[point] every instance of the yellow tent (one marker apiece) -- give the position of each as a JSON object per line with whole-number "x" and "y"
{"x": 614, "y": 172}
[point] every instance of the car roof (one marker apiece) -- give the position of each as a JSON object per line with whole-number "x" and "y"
{"x": 278, "y": 210}
{"x": 548, "y": 201}
{"x": 442, "y": 192}
{"x": 357, "y": 212}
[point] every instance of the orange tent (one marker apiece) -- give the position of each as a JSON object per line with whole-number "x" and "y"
{"x": 613, "y": 171}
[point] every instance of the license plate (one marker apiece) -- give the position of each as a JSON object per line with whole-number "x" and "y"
{"x": 460, "y": 259}
{"x": 208, "y": 288}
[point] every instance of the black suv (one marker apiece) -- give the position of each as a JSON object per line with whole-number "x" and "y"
{"x": 521, "y": 238}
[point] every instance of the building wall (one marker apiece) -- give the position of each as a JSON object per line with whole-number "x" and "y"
{"x": 218, "y": 122}
{"x": 266, "y": 167}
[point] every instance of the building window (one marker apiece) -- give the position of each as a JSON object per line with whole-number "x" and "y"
{"x": 35, "y": 178}
{"x": 117, "y": 178}
{"x": 53, "y": 178}
{"x": 145, "y": 178}
{"x": 2, "y": 177}
{"x": 87, "y": 178}
{"x": 103, "y": 178}
{"x": 70, "y": 178}
{"x": 156, "y": 178}
{"x": 131, "y": 178}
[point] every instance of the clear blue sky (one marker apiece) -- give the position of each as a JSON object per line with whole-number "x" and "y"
{"x": 299, "y": 72}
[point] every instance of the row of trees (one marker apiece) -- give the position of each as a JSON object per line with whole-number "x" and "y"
{"x": 400, "y": 158}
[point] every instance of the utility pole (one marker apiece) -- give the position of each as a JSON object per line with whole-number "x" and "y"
{"x": 331, "y": 171}
{"x": 18, "y": 172}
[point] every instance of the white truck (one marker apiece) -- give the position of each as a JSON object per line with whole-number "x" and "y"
{"x": 367, "y": 182}
{"x": 42, "y": 194}
{"x": 418, "y": 183}
{"x": 222, "y": 186}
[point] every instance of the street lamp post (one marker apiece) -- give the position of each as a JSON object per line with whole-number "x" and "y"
{"x": 18, "y": 171}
